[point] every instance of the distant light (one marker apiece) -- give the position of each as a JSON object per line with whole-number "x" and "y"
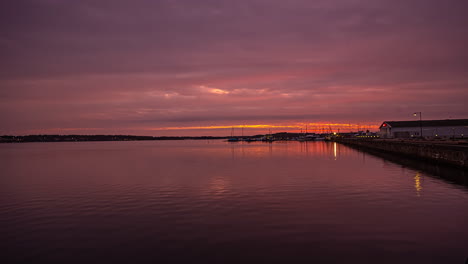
{"x": 384, "y": 125}
{"x": 414, "y": 114}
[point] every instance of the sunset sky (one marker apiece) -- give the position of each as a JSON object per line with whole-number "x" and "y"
{"x": 200, "y": 67}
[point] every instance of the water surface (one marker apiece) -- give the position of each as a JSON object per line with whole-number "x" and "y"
{"x": 219, "y": 202}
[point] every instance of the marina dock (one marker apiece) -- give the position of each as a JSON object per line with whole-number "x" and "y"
{"x": 454, "y": 153}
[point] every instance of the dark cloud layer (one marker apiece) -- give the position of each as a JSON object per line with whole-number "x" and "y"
{"x": 129, "y": 65}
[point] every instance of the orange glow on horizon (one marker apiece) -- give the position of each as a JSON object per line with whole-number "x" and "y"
{"x": 310, "y": 127}
{"x": 216, "y": 130}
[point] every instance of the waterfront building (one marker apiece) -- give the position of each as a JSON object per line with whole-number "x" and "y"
{"x": 448, "y": 128}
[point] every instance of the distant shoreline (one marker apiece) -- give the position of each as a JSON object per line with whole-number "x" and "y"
{"x": 84, "y": 138}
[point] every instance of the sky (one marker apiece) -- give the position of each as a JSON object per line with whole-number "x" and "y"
{"x": 202, "y": 67}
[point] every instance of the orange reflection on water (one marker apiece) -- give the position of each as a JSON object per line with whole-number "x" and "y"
{"x": 283, "y": 148}
{"x": 417, "y": 183}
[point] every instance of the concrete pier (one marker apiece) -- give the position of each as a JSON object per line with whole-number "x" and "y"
{"x": 444, "y": 152}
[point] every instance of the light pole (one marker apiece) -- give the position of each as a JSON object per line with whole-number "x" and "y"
{"x": 420, "y": 122}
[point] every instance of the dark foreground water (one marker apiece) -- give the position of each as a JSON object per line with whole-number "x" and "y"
{"x": 219, "y": 202}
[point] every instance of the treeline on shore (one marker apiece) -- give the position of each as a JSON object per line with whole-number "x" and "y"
{"x": 71, "y": 138}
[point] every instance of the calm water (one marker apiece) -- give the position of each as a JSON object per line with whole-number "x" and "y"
{"x": 219, "y": 202}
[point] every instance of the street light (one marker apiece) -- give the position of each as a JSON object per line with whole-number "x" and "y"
{"x": 420, "y": 121}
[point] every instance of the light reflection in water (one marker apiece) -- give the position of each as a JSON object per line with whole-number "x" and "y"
{"x": 334, "y": 150}
{"x": 218, "y": 187}
{"x": 283, "y": 148}
{"x": 245, "y": 150}
{"x": 417, "y": 183}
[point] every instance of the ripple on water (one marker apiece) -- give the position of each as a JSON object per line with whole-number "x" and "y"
{"x": 274, "y": 202}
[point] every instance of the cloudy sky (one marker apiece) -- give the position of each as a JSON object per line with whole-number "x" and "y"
{"x": 199, "y": 67}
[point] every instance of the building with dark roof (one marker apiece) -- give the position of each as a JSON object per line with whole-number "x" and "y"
{"x": 449, "y": 128}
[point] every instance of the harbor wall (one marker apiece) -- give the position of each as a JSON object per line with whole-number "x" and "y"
{"x": 443, "y": 153}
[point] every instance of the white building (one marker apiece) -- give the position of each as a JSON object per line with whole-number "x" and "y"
{"x": 449, "y": 128}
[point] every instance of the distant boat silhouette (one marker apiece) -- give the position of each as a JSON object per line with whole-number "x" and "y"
{"x": 232, "y": 138}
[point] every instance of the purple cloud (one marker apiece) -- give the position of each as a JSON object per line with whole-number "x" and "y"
{"x": 130, "y": 65}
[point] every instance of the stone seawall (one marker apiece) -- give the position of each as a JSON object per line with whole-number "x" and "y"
{"x": 439, "y": 152}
